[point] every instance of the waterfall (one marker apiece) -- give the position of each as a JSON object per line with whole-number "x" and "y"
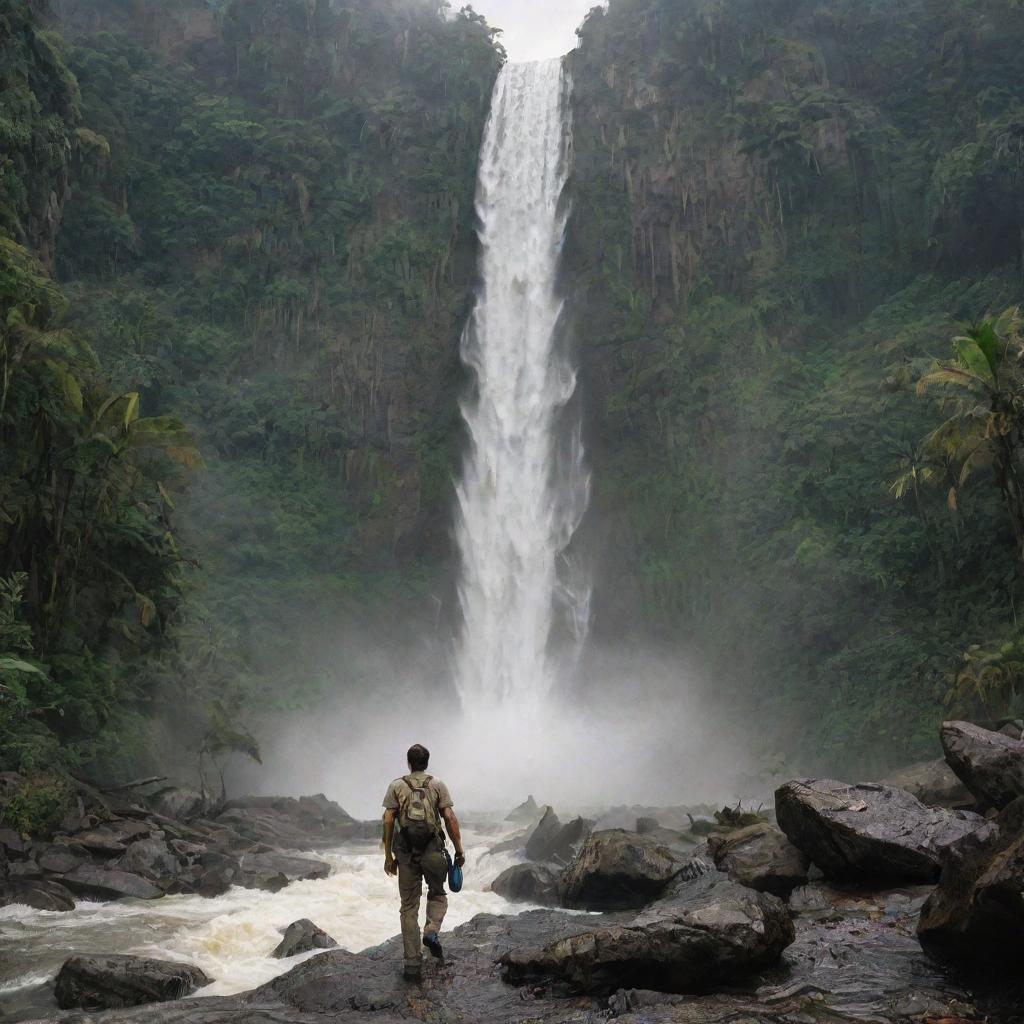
{"x": 524, "y": 486}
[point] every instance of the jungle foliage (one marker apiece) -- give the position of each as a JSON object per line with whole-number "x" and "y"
{"x": 781, "y": 212}
{"x": 267, "y": 236}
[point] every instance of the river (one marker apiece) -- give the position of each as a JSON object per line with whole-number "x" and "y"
{"x": 229, "y": 937}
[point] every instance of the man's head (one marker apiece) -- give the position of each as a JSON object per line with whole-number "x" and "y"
{"x": 419, "y": 757}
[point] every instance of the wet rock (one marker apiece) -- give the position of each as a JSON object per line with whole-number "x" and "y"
{"x": 990, "y": 764}
{"x": 301, "y": 937}
{"x": 975, "y": 916}
{"x": 934, "y": 783}
{"x": 59, "y": 860}
{"x": 526, "y": 812}
{"x": 868, "y": 831}
{"x": 706, "y": 932}
{"x": 181, "y": 803}
{"x": 292, "y": 823}
{"x": 104, "y": 982}
{"x": 551, "y": 840}
{"x": 618, "y": 870}
{"x": 151, "y": 859}
{"x": 542, "y": 838}
{"x": 40, "y": 894}
{"x": 760, "y": 856}
{"x": 103, "y": 883}
{"x": 104, "y": 842}
{"x": 13, "y": 843}
{"x": 272, "y": 871}
{"x": 185, "y": 851}
{"x": 528, "y": 883}
{"x": 215, "y": 873}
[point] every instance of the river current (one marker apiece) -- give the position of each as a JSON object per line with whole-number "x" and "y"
{"x": 229, "y": 937}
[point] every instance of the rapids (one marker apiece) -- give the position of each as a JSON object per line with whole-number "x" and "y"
{"x": 229, "y": 937}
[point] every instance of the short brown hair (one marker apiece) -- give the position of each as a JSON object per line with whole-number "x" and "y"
{"x": 419, "y": 757}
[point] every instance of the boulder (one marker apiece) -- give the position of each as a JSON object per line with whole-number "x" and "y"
{"x": 272, "y": 871}
{"x": 151, "y": 859}
{"x": 301, "y": 937}
{"x": 291, "y": 822}
{"x": 40, "y": 894}
{"x": 869, "y": 831}
{"x": 975, "y": 916}
{"x": 12, "y": 842}
{"x": 103, "y": 842}
{"x": 991, "y": 764}
{"x": 934, "y": 783}
{"x": 618, "y": 870}
{"x": 59, "y": 860}
{"x": 542, "y": 838}
{"x": 103, "y": 883}
{"x": 761, "y": 857}
{"x": 706, "y": 932}
{"x": 551, "y": 840}
{"x": 181, "y": 803}
{"x": 528, "y": 883}
{"x": 105, "y": 982}
{"x": 526, "y": 813}
{"x": 214, "y": 874}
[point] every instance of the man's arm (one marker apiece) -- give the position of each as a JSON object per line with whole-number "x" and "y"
{"x": 451, "y": 823}
{"x": 390, "y": 867}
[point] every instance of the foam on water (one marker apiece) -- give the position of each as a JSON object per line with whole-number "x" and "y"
{"x": 231, "y": 937}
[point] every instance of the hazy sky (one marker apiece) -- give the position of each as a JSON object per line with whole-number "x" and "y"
{"x": 535, "y": 29}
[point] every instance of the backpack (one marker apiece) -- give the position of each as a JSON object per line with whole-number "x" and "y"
{"x": 417, "y": 813}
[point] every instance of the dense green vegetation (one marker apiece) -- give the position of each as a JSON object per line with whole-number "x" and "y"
{"x": 782, "y": 210}
{"x": 89, "y": 566}
{"x": 228, "y": 403}
{"x": 269, "y": 237}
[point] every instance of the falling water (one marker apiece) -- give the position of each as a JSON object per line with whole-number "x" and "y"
{"x": 524, "y": 485}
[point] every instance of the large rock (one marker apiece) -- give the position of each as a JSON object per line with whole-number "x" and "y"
{"x": 99, "y": 883}
{"x": 618, "y": 870}
{"x": 272, "y": 871}
{"x": 760, "y": 856}
{"x": 181, "y": 803}
{"x": 105, "y": 982}
{"x": 526, "y": 813}
{"x": 528, "y": 883}
{"x": 934, "y": 783}
{"x": 302, "y": 937}
{"x": 293, "y": 823}
{"x": 706, "y": 932}
{"x": 975, "y": 916}
{"x": 551, "y": 840}
{"x": 151, "y": 859}
{"x": 38, "y": 893}
{"x": 869, "y": 831}
{"x": 991, "y": 764}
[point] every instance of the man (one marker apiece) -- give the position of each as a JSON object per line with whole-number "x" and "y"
{"x": 415, "y": 850}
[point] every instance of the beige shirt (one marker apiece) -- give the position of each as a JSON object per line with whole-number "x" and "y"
{"x": 442, "y": 798}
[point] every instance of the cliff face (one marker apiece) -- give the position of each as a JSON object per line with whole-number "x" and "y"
{"x": 779, "y": 211}
{"x": 269, "y": 232}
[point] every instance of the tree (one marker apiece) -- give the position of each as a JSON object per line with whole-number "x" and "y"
{"x": 983, "y": 388}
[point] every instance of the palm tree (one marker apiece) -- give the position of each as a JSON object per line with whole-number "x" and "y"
{"x": 984, "y": 390}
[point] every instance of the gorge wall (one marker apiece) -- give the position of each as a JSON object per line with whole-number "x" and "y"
{"x": 780, "y": 211}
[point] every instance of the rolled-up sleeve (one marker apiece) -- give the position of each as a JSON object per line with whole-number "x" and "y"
{"x": 391, "y": 799}
{"x": 444, "y": 798}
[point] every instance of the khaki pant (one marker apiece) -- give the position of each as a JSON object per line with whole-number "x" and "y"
{"x": 431, "y": 865}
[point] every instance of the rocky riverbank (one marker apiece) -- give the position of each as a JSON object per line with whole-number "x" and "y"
{"x": 846, "y": 902}
{"x": 116, "y": 845}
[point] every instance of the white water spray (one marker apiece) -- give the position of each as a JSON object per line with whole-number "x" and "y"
{"x": 523, "y": 490}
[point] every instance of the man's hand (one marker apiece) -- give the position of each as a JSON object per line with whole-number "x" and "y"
{"x": 460, "y": 858}
{"x": 390, "y": 865}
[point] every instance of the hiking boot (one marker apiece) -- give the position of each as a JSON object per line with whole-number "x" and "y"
{"x": 433, "y": 943}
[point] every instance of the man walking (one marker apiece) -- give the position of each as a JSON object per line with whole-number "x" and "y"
{"x": 414, "y": 851}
